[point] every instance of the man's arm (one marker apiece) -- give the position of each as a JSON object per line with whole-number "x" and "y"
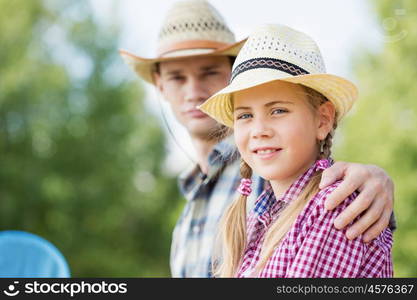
{"x": 376, "y": 197}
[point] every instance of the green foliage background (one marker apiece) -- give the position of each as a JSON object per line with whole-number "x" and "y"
{"x": 382, "y": 130}
{"x": 81, "y": 157}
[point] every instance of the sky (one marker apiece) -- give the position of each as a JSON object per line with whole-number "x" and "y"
{"x": 342, "y": 29}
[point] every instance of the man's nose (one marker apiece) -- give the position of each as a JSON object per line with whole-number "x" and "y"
{"x": 195, "y": 91}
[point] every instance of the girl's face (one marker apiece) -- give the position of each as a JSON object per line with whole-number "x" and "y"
{"x": 276, "y": 129}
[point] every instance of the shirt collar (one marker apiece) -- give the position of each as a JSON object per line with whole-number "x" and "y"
{"x": 188, "y": 178}
{"x": 267, "y": 199}
{"x": 223, "y": 153}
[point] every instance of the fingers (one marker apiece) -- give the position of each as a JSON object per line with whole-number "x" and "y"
{"x": 343, "y": 191}
{"x": 332, "y": 174}
{"x": 378, "y": 227}
{"x": 375, "y": 199}
{"x": 359, "y": 205}
{"x": 372, "y": 215}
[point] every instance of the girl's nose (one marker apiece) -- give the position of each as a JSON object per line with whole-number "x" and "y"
{"x": 261, "y": 128}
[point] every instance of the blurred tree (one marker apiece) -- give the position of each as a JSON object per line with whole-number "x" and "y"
{"x": 80, "y": 157}
{"x": 383, "y": 127}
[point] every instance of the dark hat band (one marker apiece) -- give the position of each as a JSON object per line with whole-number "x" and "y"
{"x": 268, "y": 63}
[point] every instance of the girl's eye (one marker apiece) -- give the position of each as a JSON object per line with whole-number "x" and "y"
{"x": 279, "y": 111}
{"x": 244, "y": 116}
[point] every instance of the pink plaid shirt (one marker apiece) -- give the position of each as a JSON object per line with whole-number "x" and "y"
{"x": 313, "y": 247}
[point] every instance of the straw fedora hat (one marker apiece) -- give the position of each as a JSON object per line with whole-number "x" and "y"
{"x": 191, "y": 28}
{"x": 277, "y": 52}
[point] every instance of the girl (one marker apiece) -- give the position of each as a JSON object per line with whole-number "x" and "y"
{"x": 284, "y": 108}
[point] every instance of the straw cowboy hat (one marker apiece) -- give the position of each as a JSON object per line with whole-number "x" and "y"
{"x": 277, "y": 52}
{"x": 191, "y": 28}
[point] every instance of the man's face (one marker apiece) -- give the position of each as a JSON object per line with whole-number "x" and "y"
{"x": 187, "y": 83}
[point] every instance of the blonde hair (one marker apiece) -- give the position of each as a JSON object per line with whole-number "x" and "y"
{"x": 232, "y": 232}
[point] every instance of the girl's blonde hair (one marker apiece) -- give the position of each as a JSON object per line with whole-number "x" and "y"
{"x": 232, "y": 233}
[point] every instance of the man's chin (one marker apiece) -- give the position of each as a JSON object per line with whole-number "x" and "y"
{"x": 204, "y": 130}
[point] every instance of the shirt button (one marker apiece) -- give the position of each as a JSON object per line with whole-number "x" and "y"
{"x": 203, "y": 176}
{"x": 196, "y": 229}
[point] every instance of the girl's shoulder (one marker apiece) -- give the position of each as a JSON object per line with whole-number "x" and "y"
{"x": 319, "y": 199}
{"x": 316, "y": 213}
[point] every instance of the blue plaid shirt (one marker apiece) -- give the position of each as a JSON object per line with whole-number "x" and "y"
{"x": 208, "y": 196}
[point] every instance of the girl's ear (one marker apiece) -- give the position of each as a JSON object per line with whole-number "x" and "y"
{"x": 326, "y": 119}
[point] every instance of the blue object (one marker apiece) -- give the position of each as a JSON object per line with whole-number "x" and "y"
{"x": 24, "y": 254}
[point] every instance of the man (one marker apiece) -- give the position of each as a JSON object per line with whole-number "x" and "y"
{"x": 195, "y": 54}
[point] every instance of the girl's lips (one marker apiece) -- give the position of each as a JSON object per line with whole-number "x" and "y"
{"x": 267, "y": 153}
